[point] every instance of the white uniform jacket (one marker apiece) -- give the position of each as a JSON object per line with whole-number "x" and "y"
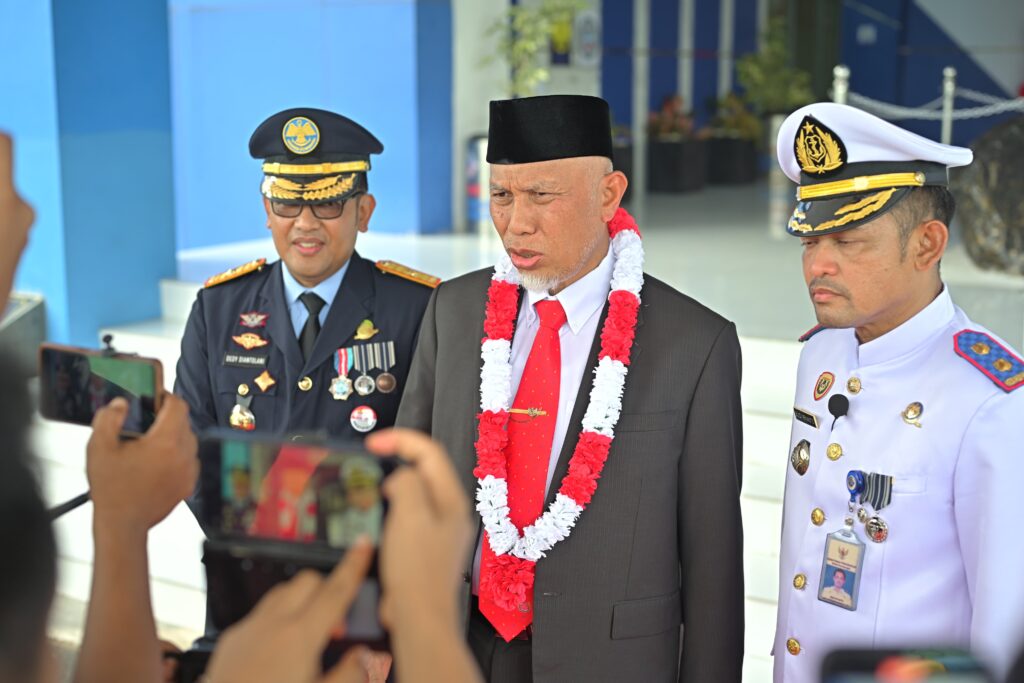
{"x": 949, "y": 572}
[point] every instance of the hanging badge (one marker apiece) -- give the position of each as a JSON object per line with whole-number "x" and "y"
{"x": 363, "y": 419}
{"x": 241, "y": 417}
{"x": 341, "y": 386}
{"x": 364, "y": 384}
{"x": 841, "y": 568}
{"x": 386, "y": 382}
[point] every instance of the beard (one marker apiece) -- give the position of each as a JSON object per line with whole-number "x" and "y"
{"x": 536, "y": 282}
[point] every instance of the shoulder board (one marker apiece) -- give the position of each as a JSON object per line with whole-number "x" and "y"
{"x": 810, "y": 333}
{"x": 995, "y": 361}
{"x": 235, "y": 273}
{"x": 407, "y": 273}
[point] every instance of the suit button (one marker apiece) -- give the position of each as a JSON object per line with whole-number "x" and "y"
{"x": 799, "y": 581}
{"x": 817, "y": 516}
{"x": 793, "y": 646}
{"x": 243, "y": 389}
{"x": 305, "y": 384}
{"x": 834, "y": 451}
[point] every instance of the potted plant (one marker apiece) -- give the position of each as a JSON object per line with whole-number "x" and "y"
{"x": 732, "y": 145}
{"x": 676, "y": 160}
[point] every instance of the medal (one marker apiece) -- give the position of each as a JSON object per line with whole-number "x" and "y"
{"x": 265, "y": 381}
{"x": 341, "y": 386}
{"x": 386, "y": 382}
{"x": 241, "y": 417}
{"x": 877, "y": 529}
{"x": 363, "y": 419}
{"x": 364, "y": 384}
{"x": 800, "y": 458}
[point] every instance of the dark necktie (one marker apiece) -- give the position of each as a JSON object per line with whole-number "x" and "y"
{"x": 307, "y": 338}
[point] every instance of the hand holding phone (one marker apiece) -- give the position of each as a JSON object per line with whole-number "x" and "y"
{"x": 137, "y": 483}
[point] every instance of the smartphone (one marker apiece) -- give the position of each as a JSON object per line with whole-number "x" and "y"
{"x": 75, "y": 383}
{"x": 895, "y": 666}
{"x": 271, "y": 508}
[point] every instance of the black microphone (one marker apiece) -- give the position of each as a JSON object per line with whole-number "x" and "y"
{"x": 839, "y": 406}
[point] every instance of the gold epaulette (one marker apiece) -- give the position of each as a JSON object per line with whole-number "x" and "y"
{"x": 408, "y": 273}
{"x": 235, "y": 273}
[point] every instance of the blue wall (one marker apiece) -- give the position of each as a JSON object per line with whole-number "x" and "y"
{"x": 384, "y": 64}
{"x": 89, "y": 112}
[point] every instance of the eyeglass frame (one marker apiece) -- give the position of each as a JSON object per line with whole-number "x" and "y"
{"x": 275, "y": 205}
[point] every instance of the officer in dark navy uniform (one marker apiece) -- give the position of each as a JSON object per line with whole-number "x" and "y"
{"x": 319, "y": 342}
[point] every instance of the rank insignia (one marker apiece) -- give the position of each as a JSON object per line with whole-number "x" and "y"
{"x": 249, "y": 341}
{"x": 822, "y": 386}
{"x": 407, "y": 273}
{"x": 253, "y": 319}
{"x": 265, "y": 381}
{"x": 366, "y": 330}
{"x": 235, "y": 273}
{"x": 300, "y": 135}
{"x": 994, "y": 360}
{"x": 818, "y": 149}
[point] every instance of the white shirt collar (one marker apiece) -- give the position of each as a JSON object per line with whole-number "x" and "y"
{"x": 581, "y": 299}
{"x": 930, "y": 320}
{"x": 326, "y": 290}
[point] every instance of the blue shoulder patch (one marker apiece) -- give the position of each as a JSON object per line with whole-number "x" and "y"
{"x": 997, "y": 362}
{"x": 810, "y": 333}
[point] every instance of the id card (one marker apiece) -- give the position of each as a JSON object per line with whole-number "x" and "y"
{"x": 840, "y": 569}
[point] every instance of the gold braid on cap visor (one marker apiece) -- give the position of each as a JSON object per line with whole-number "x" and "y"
{"x": 849, "y": 213}
{"x": 318, "y": 190}
{"x": 860, "y": 184}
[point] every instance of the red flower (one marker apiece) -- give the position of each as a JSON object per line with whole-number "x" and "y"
{"x": 619, "y": 326}
{"x": 585, "y": 467}
{"x": 490, "y": 444}
{"x": 622, "y": 221}
{"x": 507, "y": 580}
{"x": 502, "y": 305}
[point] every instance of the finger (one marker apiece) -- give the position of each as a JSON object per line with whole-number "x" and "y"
{"x": 172, "y": 417}
{"x": 335, "y": 596}
{"x": 377, "y": 666}
{"x": 6, "y": 163}
{"x": 407, "y": 495}
{"x": 108, "y": 421}
{"x": 432, "y": 464}
{"x": 290, "y": 596}
{"x": 350, "y": 669}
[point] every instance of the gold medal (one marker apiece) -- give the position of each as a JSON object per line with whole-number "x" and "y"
{"x": 800, "y": 458}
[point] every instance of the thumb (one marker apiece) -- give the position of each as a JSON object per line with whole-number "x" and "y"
{"x": 107, "y": 423}
{"x": 351, "y": 668}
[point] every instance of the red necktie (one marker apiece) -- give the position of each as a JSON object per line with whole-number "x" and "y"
{"x": 531, "y": 429}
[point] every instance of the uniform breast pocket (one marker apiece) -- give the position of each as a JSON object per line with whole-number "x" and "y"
{"x": 647, "y": 422}
{"x": 238, "y": 388}
{"x": 909, "y": 484}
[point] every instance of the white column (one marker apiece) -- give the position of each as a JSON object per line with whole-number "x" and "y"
{"x": 686, "y": 41}
{"x": 641, "y": 88}
{"x": 726, "y": 34}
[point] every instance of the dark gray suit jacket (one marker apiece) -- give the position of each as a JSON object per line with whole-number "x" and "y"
{"x": 661, "y": 543}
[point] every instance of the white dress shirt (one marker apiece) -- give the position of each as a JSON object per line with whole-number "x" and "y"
{"x": 582, "y": 302}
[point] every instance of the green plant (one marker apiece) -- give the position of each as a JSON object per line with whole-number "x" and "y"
{"x": 770, "y": 84}
{"x": 523, "y": 33}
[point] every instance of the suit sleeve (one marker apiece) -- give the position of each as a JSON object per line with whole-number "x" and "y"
{"x": 986, "y": 501}
{"x": 193, "y": 371}
{"x": 417, "y": 408}
{"x": 710, "y": 525}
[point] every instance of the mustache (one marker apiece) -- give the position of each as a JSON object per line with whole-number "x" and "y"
{"x": 828, "y": 284}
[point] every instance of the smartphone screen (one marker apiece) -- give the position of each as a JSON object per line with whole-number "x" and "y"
{"x": 270, "y": 509}
{"x": 75, "y": 384}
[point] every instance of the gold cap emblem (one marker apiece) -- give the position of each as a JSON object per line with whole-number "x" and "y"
{"x": 818, "y": 149}
{"x": 300, "y": 135}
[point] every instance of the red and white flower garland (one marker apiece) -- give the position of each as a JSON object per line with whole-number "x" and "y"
{"x": 511, "y": 576}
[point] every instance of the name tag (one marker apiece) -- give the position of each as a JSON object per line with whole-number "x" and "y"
{"x": 244, "y": 360}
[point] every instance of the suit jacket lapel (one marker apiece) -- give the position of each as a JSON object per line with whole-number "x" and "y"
{"x": 579, "y": 409}
{"x": 279, "y": 324}
{"x": 352, "y": 304}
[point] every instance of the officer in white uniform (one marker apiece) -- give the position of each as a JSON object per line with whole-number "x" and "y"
{"x": 905, "y": 468}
